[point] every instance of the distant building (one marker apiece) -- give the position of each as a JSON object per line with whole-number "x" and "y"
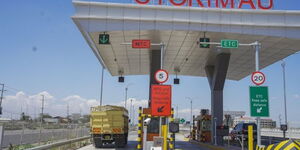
{"x": 265, "y": 122}
{"x": 234, "y": 114}
{"x": 51, "y": 120}
{"x": 75, "y": 117}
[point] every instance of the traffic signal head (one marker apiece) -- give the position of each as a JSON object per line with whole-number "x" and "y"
{"x": 176, "y": 81}
{"x": 121, "y": 79}
{"x": 204, "y": 45}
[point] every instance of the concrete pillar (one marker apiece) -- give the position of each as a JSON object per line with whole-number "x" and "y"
{"x": 154, "y": 66}
{"x": 154, "y": 127}
{"x": 216, "y": 75}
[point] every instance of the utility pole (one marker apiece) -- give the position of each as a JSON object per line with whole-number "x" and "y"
{"x": 177, "y": 111}
{"x": 126, "y": 89}
{"x": 101, "y": 92}
{"x": 1, "y": 98}
{"x": 257, "y": 47}
{"x": 130, "y": 111}
{"x": 42, "y": 115}
{"x": 191, "y": 123}
{"x": 68, "y": 112}
{"x": 284, "y": 96}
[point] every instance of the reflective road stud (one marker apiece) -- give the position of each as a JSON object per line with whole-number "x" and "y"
{"x": 250, "y": 137}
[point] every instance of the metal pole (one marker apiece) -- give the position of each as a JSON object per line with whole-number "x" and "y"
{"x": 242, "y": 141}
{"x": 42, "y": 115}
{"x": 130, "y": 112}
{"x": 126, "y": 89}
{"x": 161, "y": 55}
{"x": 215, "y": 134}
{"x": 191, "y": 119}
{"x": 176, "y": 111}
{"x": 145, "y": 138}
{"x": 1, "y": 98}
{"x": 284, "y": 95}
{"x": 101, "y": 91}
{"x": 257, "y": 47}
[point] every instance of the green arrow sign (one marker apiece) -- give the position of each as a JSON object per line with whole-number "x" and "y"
{"x": 229, "y": 43}
{"x": 259, "y": 101}
{"x": 182, "y": 120}
{"x": 104, "y": 39}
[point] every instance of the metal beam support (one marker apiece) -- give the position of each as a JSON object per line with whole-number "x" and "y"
{"x": 216, "y": 75}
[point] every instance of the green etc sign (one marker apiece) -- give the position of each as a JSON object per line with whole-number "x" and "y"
{"x": 229, "y": 43}
{"x": 259, "y": 101}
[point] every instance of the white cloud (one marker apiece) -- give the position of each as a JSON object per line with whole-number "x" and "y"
{"x": 296, "y": 96}
{"x": 13, "y": 105}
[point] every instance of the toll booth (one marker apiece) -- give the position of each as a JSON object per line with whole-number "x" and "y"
{"x": 202, "y": 128}
{"x": 108, "y": 27}
{"x": 154, "y": 127}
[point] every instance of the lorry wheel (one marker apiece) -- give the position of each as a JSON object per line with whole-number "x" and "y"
{"x": 126, "y": 138}
{"x": 98, "y": 143}
{"x": 120, "y": 142}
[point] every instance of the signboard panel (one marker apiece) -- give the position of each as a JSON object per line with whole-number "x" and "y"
{"x": 104, "y": 39}
{"x": 259, "y": 101}
{"x": 229, "y": 43}
{"x": 161, "y": 76}
{"x": 161, "y": 100}
{"x": 204, "y": 40}
{"x": 258, "y": 78}
{"x": 141, "y": 43}
{"x": 237, "y": 4}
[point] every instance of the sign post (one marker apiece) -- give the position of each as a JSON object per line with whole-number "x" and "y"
{"x": 161, "y": 76}
{"x": 161, "y": 100}
{"x": 141, "y": 43}
{"x": 104, "y": 38}
{"x": 229, "y": 43}
{"x": 257, "y": 47}
{"x": 259, "y": 101}
{"x": 258, "y": 78}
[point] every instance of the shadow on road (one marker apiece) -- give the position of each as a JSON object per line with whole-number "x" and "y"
{"x": 130, "y": 146}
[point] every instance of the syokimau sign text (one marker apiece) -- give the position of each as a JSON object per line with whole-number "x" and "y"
{"x": 253, "y": 4}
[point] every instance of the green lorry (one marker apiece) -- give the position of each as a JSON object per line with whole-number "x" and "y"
{"x": 109, "y": 124}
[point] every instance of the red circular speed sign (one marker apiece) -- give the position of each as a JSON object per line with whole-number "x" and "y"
{"x": 258, "y": 78}
{"x": 161, "y": 76}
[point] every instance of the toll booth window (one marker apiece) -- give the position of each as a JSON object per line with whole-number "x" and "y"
{"x": 153, "y": 127}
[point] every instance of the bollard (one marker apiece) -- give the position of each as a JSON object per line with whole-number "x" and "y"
{"x": 250, "y": 137}
{"x": 165, "y": 136}
{"x": 139, "y": 146}
{"x": 172, "y": 136}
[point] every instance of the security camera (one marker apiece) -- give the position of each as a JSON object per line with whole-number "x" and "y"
{"x": 147, "y": 121}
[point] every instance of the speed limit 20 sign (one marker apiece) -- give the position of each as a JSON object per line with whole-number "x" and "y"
{"x": 258, "y": 78}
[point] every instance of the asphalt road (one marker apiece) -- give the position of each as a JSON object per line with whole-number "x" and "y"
{"x": 181, "y": 144}
{"x": 32, "y": 136}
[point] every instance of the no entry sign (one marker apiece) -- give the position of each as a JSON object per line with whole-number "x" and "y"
{"x": 161, "y": 100}
{"x": 258, "y": 78}
{"x": 161, "y": 76}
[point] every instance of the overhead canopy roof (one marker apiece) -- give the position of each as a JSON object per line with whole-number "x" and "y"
{"x": 179, "y": 28}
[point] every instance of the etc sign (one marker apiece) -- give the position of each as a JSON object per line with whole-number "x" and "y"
{"x": 215, "y": 3}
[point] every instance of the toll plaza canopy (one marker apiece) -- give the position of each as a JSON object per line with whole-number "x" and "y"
{"x": 179, "y": 29}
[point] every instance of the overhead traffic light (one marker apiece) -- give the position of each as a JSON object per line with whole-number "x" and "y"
{"x": 204, "y": 45}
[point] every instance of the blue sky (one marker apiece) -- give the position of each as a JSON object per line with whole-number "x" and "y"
{"x": 42, "y": 50}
